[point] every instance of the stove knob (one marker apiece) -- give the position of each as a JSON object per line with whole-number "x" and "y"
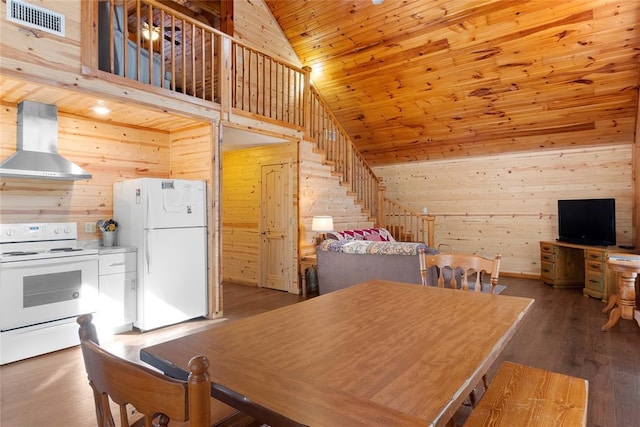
{"x": 57, "y": 230}
{"x": 9, "y": 232}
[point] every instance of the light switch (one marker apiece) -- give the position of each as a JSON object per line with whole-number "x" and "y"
{"x": 89, "y": 227}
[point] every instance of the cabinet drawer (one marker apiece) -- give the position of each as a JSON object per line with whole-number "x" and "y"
{"x": 547, "y": 248}
{"x": 546, "y": 257}
{"x": 594, "y": 266}
{"x": 593, "y": 255}
{"x": 116, "y": 263}
{"x": 548, "y": 270}
{"x": 594, "y": 281}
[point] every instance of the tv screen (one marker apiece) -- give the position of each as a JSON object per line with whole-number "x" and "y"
{"x": 587, "y": 221}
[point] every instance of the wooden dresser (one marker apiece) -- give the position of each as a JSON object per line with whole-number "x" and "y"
{"x": 571, "y": 265}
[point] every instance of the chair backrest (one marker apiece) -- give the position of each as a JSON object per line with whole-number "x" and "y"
{"x": 152, "y": 394}
{"x": 458, "y": 267}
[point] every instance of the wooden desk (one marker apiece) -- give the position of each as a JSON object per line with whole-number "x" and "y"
{"x": 565, "y": 264}
{"x": 377, "y": 353}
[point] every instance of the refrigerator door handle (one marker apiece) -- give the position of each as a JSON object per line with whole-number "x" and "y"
{"x": 147, "y": 251}
{"x": 148, "y": 210}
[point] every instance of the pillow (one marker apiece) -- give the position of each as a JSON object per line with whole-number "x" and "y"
{"x": 373, "y": 237}
{"x": 361, "y": 234}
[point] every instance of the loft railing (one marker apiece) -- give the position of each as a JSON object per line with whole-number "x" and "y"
{"x": 345, "y": 160}
{"x": 406, "y": 225}
{"x": 150, "y": 44}
{"x": 268, "y": 87}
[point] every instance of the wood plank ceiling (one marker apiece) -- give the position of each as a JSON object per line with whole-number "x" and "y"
{"x": 416, "y": 79}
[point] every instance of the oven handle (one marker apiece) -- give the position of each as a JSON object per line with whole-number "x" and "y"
{"x": 48, "y": 261}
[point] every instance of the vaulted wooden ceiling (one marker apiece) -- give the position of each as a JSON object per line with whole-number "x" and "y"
{"x": 431, "y": 79}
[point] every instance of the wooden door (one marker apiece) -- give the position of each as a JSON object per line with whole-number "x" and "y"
{"x": 275, "y": 230}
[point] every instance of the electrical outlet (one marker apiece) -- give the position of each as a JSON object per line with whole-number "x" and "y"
{"x": 425, "y": 210}
{"x": 89, "y": 227}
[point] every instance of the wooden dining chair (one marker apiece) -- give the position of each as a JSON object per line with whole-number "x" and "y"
{"x": 454, "y": 270}
{"x": 156, "y": 397}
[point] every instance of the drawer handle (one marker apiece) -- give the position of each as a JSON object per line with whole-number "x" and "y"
{"x": 546, "y": 270}
{"x": 597, "y": 282}
{"x": 115, "y": 264}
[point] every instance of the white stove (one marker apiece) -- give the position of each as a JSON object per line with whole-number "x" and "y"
{"x": 20, "y": 242}
{"x": 46, "y": 281}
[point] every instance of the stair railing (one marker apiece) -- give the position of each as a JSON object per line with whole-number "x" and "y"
{"x": 345, "y": 160}
{"x": 406, "y": 225}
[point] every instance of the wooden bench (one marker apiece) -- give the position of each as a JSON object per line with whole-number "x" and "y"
{"x": 525, "y": 396}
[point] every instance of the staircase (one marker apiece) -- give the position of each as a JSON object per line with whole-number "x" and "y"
{"x": 346, "y": 162}
{"x": 349, "y": 166}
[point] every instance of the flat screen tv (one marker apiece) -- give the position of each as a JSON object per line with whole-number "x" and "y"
{"x": 587, "y": 221}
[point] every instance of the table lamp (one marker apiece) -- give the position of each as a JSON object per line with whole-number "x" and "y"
{"x": 322, "y": 224}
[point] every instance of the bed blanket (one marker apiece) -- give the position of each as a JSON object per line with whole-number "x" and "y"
{"x": 372, "y": 247}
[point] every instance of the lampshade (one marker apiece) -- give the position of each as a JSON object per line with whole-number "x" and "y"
{"x": 322, "y": 223}
{"x": 152, "y": 33}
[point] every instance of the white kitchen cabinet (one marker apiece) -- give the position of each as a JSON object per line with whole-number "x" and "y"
{"x": 117, "y": 298}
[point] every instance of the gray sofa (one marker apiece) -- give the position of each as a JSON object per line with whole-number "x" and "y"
{"x": 337, "y": 270}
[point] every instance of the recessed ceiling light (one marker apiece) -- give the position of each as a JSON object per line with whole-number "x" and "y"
{"x": 100, "y": 109}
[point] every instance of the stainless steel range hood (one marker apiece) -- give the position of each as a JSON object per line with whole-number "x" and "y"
{"x": 36, "y": 153}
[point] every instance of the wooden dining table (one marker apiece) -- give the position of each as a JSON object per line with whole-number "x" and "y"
{"x": 377, "y": 353}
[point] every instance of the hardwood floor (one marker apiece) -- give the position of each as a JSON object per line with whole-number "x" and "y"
{"x": 562, "y": 334}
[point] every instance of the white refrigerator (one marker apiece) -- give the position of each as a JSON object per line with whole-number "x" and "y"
{"x": 166, "y": 220}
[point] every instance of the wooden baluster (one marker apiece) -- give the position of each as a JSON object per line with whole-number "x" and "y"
{"x": 203, "y": 70}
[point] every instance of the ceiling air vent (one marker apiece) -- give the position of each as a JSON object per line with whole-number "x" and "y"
{"x": 35, "y": 17}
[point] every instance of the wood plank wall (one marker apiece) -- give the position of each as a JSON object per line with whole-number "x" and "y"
{"x": 192, "y": 153}
{"x": 241, "y": 192}
{"x": 109, "y": 152}
{"x": 254, "y": 24}
{"x": 506, "y": 204}
{"x": 192, "y": 157}
{"x": 322, "y": 194}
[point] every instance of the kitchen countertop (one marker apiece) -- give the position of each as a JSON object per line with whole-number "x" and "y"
{"x": 103, "y": 250}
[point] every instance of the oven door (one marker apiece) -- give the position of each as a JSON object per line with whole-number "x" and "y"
{"x": 38, "y": 291}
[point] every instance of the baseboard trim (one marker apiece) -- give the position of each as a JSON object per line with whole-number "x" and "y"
{"x": 520, "y": 275}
